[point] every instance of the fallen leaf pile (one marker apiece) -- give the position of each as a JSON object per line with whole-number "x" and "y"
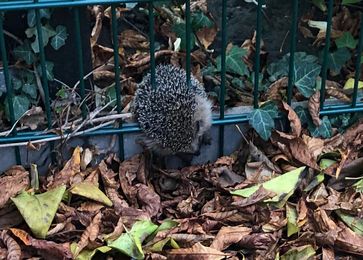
{"x": 297, "y": 197}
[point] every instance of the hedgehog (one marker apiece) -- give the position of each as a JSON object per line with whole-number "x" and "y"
{"x": 173, "y": 116}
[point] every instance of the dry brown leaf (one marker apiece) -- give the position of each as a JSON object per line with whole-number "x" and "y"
{"x": 90, "y": 234}
{"x": 344, "y": 239}
{"x": 294, "y": 119}
{"x": 207, "y": 35}
{"x": 33, "y": 118}
{"x": 190, "y": 239}
{"x": 149, "y": 199}
{"x": 70, "y": 169}
{"x": 221, "y": 215}
{"x": 133, "y": 39}
{"x": 13, "y": 181}
{"x": 14, "y": 250}
{"x": 274, "y": 92}
{"x": 119, "y": 229}
{"x": 262, "y": 241}
{"x": 314, "y": 108}
{"x": 338, "y": 94}
{"x": 229, "y": 235}
{"x": 328, "y": 253}
{"x": 259, "y": 195}
{"x": 90, "y": 206}
{"x": 98, "y": 11}
{"x": 197, "y": 252}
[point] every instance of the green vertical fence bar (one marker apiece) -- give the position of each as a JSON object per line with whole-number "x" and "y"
{"x": 222, "y": 92}
{"x": 82, "y": 92}
{"x": 152, "y": 43}
{"x": 324, "y": 70}
{"x": 293, "y": 30}
{"x": 9, "y": 87}
{"x": 357, "y": 63}
{"x": 188, "y": 38}
{"x": 43, "y": 69}
{"x": 258, "y": 50}
{"x": 117, "y": 77}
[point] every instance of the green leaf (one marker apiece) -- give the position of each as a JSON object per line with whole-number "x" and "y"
{"x": 31, "y": 90}
{"x": 20, "y": 104}
{"x": 348, "y": 2}
{"x": 324, "y": 130}
{"x": 87, "y": 254}
{"x": 234, "y": 61}
{"x": 305, "y": 75}
{"x": 48, "y": 70}
{"x": 199, "y": 20}
{"x": 16, "y": 83}
{"x": 355, "y": 223}
{"x": 90, "y": 191}
{"x": 262, "y": 122}
{"x": 303, "y": 114}
{"x": 179, "y": 30}
{"x": 280, "y": 185}
{"x": 271, "y": 108}
{"x": 346, "y": 40}
{"x": 130, "y": 243}
{"x": 25, "y": 53}
{"x": 315, "y": 182}
{"x": 47, "y": 32}
{"x": 60, "y": 38}
{"x": 337, "y": 59}
{"x": 31, "y": 17}
{"x": 38, "y": 210}
{"x": 320, "y": 4}
{"x": 302, "y": 253}
{"x": 291, "y": 215}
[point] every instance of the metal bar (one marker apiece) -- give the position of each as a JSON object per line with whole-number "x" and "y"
{"x": 257, "y": 57}
{"x": 223, "y": 76}
{"x": 293, "y": 39}
{"x": 117, "y": 77}
{"x": 9, "y": 86}
{"x": 43, "y": 69}
{"x": 357, "y": 63}
{"x": 152, "y": 43}
{"x": 342, "y": 110}
{"x": 79, "y": 52}
{"x": 324, "y": 69}
{"x": 26, "y": 5}
{"x": 188, "y": 37}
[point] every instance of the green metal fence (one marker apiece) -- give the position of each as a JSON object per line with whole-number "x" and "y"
{"x": 8, "y": 6}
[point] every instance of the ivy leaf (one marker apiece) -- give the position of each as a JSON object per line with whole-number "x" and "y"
{"x": 179, "y": 30}
{"x": 271, "y": 108}
{"x": 262, "y": 122}
{"x": 20, "y": 104}
{"x": 337, "y": 59}
{"x": 200, "y": 20}
{"x": 17, "y": 84}
{"x": 60, "y": 38}
{"x": 47, "y": 32}
{"x": 31, "y": 17}
{"x": 324, "y": 130}
{"x": 346, "y": 40}
{"x": 234, "y": 61}
{"x": 303, "y": 114}
{"x": 320, "y": 4}
{"x": 48, "y": 68}
{"x": 38, "y": 210}
{"x": 31, "y": 90}
{"x": 24, "y": 52}
{"x": 305, "y": 75}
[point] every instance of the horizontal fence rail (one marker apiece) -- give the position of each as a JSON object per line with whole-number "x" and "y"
{"x": 21, "y": 138}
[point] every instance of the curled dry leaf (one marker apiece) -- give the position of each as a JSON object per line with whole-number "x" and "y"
{"x": 14, "y": 251}
{"x": 90, "y": 234}
{"x": 207, "y": 35}
{"x": 229, "y": 235}
{"x": 274, "y": 91}
{"x": 48, "y": 249}
{"x": 314, "y": 108}
{"x": 149, "y": 199}
{"x": 190, "y": 239}
{"x": 13, "y": 181}
{"x": 333, "y": 92}
{"x": 197, "y": 252}
{"x": 72, "y": 167}
{"x": 133, "y": 39}
{"x": 294, "y": 119}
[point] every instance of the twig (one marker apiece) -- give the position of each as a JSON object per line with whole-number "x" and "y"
{"x": 243, "y": 136}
